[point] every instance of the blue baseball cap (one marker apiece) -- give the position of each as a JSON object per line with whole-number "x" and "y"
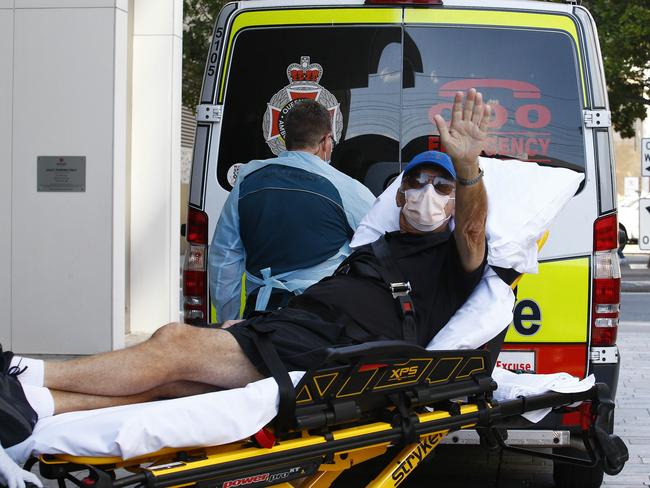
{"x": 436, "y": 158}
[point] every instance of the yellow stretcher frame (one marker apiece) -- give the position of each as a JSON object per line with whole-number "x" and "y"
{"x": 375, "y": 399}
{"x": 165, "y": 463}
{"x": 315, "y": 459}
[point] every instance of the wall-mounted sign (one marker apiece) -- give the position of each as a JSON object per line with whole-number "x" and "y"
{"x": 644, "y": 224}
{"x": 61, "y": 173}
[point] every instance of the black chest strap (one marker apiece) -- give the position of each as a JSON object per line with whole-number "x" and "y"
{"x": 399, "y": 288}
{"x": 508, "y": 275}
{"x": 286, "y": 408}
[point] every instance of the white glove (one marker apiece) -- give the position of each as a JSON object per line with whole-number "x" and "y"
{"x": 13, "y": 475}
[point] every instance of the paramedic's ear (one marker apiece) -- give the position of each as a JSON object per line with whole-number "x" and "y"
{"x": 326, "y": 147}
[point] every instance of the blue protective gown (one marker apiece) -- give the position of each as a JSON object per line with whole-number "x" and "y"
{"x": 287, "y": 223}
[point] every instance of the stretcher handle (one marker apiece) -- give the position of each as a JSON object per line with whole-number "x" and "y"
{"x": 611, "y": 447}
{"x": 371, "y": 349}
{"x": 603, "y": 447}
{"x": 552, "y": 399}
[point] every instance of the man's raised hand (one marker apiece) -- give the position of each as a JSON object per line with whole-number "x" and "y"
{"x": 466, "y": 136}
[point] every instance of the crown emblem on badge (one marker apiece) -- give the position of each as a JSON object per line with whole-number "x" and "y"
{"x": 304, "y": 71}
{"x": 304, "y": 78}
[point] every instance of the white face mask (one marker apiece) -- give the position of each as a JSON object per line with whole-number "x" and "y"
{"x": 424, "y": 208}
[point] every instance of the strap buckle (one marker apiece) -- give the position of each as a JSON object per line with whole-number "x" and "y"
{"x": 400, "y": 289}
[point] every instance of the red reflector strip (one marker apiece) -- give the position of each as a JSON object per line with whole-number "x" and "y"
{"x": 370, "y": 367}
{"x": 571, "y": 418}
{"x": 580, "y": 415}
{"x": 552, "y": 358}
{"x": 265, "y": 438}
{"x": 585, "y": 415}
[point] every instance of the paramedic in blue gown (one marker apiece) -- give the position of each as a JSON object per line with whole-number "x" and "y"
{"x": 180, "y": 360}
{"x": 287, "y": 222}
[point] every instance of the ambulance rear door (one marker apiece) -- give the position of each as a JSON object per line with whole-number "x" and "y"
{"x": 529, "y": 67}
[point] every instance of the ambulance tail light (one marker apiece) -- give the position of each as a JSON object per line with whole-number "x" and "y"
{"x": 606, "y": 282}
{"x": 579, "y": 415}
{"x": 195, "y": 275}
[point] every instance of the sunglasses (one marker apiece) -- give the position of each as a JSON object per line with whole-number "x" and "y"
{"x": 442, "y": 185}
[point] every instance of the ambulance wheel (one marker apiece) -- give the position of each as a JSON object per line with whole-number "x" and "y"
{"x": 572, "y": 476}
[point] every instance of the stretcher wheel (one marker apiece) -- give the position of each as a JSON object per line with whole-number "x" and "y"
{"x": 612, "y": 470}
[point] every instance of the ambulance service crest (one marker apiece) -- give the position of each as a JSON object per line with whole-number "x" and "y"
{"x": 303, "y": 83}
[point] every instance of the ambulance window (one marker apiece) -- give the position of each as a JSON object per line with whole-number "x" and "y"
{"x": 530, "y": 77}
{"x": 354, "y": 71}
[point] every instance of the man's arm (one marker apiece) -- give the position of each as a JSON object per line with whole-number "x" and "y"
{"x": 226, "y": 261}
{"x": 464, "y": 140}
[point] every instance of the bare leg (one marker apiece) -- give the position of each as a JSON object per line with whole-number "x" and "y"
{"x": 66, "y": 401}
{"x": 176, "y": 352}
{"x": 180, "y": 389}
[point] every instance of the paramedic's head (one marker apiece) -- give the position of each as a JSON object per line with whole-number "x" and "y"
{"x": 427, "y": 193}
{"x": 308, "y": 127}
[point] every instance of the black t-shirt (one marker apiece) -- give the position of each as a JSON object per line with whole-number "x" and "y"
{"x": 430, "y": 262}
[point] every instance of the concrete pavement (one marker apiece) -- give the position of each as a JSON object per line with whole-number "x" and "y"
{"x": 633, "y": 405}
{"x": 635, "y": 270}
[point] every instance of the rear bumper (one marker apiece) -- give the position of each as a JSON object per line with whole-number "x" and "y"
{"x": 553, "y": 430}
{"x": 528, "y": 438}
{"x": 605, "y": 366}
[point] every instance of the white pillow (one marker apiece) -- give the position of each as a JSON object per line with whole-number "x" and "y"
{"x": 487, "y": 311}
{"x": 523, "y": 199}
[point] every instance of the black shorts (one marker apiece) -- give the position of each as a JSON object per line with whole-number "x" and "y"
{"x": 299, "y": 337}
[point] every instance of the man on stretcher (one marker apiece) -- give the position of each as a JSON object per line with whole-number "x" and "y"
{"x": 440, "y": 269}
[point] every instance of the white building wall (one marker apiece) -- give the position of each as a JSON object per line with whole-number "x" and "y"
{"x": 120, "y": 187}
{"x": 65, "y": 68}
{"x": 155, "y": 164}
{"x": 6, "y": 72}
{"x": 63, "y": 244}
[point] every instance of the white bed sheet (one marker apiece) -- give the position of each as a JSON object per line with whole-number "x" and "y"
{"x": 211, "y": 419}
{"x": 133, "y": 430}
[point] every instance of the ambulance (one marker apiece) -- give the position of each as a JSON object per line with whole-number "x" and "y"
{"x": 384, "y": 68}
